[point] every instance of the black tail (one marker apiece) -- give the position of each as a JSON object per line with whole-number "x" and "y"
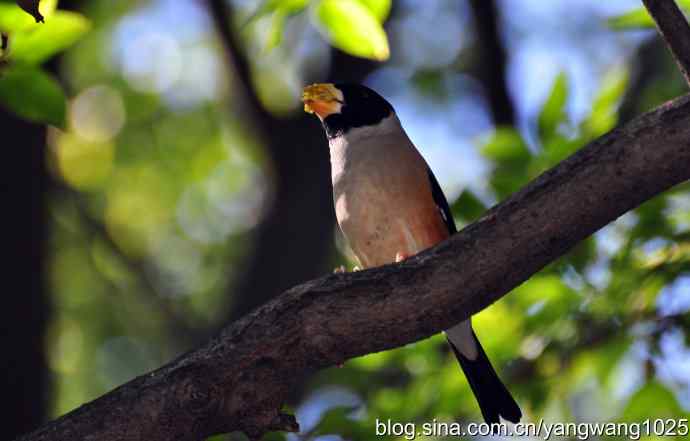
{"x": 492, "y": 395}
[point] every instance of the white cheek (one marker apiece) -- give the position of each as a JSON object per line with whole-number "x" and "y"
{"x": 342, "y": 209}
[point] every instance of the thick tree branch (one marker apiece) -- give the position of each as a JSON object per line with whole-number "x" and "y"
{"x": 239, "y": 380}
{"x": 674, "y": 28}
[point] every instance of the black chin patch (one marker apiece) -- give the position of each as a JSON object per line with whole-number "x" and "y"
{"x": 361, "y": 107}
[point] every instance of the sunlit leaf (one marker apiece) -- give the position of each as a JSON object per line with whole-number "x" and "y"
{"x": 57, "y": 34}
{"x": 286, "y": 6}
{"x": 278, "y": 11}
{"x": 379, "y": 8}
{"x": 372, "y": 362}
{"x": 275, "y": 34}
{"x": 505, "y": 144}
{"x": 351, "y": 27}
{"x": 31, "y": 7}
{"x": 546, "y": 299}
{"x": 33, "y": 94}
{"x": 640, "y": 18}
{"x": 604, "y": 108}
{"x": 500, "y": 341}
{"x": 14, "y": 19}
{"x": 553, "y": 111}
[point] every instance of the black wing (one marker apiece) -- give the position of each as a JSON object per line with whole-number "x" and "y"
{"x": 441, "y": 203}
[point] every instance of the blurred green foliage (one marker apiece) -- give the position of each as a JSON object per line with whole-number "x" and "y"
{"x": 33, "y": 94}
{"x": 161, "y": 182}
{"x": 354, "y": 26}
{"x": 24, "y": 88}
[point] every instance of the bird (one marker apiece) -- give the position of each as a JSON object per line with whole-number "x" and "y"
{"x": 390, "y": 206}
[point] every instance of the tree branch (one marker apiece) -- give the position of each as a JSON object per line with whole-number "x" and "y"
{"x": 239, "y": 380}
{"x": 674, "y": 29}
{"x": 492, "y": 65}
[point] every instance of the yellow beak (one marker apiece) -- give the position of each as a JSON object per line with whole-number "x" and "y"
{"x": 323, "y": 99}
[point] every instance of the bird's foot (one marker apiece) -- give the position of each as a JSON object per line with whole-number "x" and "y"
{"x": 399, "y": 257}
{"x": 341, "y": 269}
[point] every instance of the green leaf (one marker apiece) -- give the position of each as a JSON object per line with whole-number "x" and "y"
{"x": 640, "y": 18}
{"x": 338, "y": 420}
{"x": 506, "y": 145}
{"x": 651, "y": 400}
{"x": 33, "y": 94}
{"x": 379, "y": 8}
{"x": 608, "y": 355}
{"x": 468, "y": 207}
{"x": 14, "y": 19}
{"x": 286, "y": 6}
{"x": 553, "y": 111}
{"x": 57, "y": 34}
{"x": 335, "y": 418}
{"x": 546, "y": 299}
{"x": 604, "y": 114}
{"x": 555, "y": 149}
{"x": 275, "y": 34}
{"x": 282, "y": 8}
{"x": 31, "y": 7}
{"x": 271, "y": 436}
{"x": 351, "y": 27}
{"x": 509, "y": 153}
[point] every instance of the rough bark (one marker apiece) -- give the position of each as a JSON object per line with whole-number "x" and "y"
{"x": 239, "y": 380}
{"x": 674, "y": 28}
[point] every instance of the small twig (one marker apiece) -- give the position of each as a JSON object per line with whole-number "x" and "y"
{"x": 674, "y": 29}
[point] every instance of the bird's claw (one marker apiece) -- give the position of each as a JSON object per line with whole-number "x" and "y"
{"x": 341, "y": 269}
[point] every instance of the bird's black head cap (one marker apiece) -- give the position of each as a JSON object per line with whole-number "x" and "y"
{"x": 361, "y": 107}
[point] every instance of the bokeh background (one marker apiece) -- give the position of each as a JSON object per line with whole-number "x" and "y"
{"x": 184, "y": 186}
